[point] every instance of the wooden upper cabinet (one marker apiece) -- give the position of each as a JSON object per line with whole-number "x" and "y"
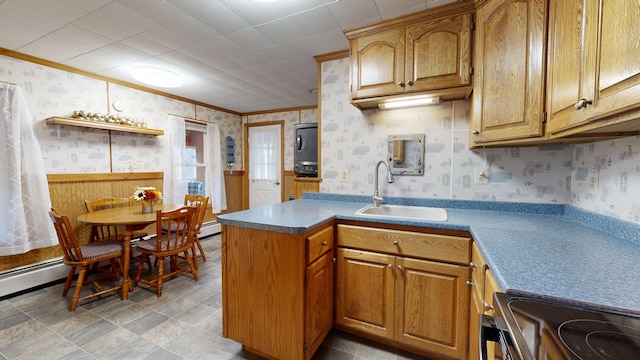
{"x": 377, "y": 64}
{"x": 509, "y": 86}
{"x": 438, "y": 54}
{"x": 424, "y": 53}
{"x": 594, "y": 66}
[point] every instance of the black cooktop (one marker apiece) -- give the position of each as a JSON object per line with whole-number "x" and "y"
{"x": 560, "y": 331}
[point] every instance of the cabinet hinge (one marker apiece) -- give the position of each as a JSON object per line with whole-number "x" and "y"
{"x": 305, "y": 348}
{"x": 473, "y": 25}
{"x": 544, "y": 117}
{"x": 469, "y": 282}
{"x": 470, "y": 70}
{"x": 306, "y": 282}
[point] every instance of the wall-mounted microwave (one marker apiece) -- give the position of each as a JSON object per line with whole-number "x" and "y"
{"x": 305, "y": 149}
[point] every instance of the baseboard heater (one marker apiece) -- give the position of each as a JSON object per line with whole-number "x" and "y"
{"x": 33, "y": 275}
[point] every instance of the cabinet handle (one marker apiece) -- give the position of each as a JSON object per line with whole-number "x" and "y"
{"x": 400, "y": 268}
{"x": 475, "y": 132}
{"x": 334, "y": 259}
{"x": 487, "y": 307}
{"x": 582, "y": 103}
{"x": 401, "y": 84}
{"x": 472, "y": 265}
{"x": 395, "y": 242}
{"x": 390, "y": 266}
{"x": 469, "y": 283}
{"x": 410, "y": 83}
{"x": 324, "y": 243}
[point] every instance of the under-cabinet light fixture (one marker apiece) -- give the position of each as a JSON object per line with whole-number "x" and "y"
{"x": 157, "y": 77}
{"x": 396, "y": 104}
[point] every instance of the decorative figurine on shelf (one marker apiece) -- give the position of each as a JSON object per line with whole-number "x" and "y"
{"x": 148, "y": 195}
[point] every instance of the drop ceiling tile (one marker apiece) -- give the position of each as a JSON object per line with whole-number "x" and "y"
{"x": 280, "y": 31}
{"x": 353, "y": 14}
{"x": 31, "y": 15}
{"x": 27, "y": 34}
{"x": 254, "y": 13}
{"x": 314, "y": 21}
{"x": 144, "y": 43}
{"x": 96, "y": 61}
{"x": 167, "y": 38}
{"x": 191, "y": 29}
{"x": 192, "y": 6}
{"x": 250, "y": 39}
{"x": 85, "y": 36}
{"x": 390, "y": 8}
{"x": 221, "y": 19}
{"x": 50, "y": 44}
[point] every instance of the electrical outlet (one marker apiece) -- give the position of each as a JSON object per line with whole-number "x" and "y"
{"x": 592, "y": 182}
{"x": 481, "y": 175}
{"x": 344, "y": 175}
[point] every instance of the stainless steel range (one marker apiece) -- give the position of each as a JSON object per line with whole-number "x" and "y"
{"x": 528, "y": 328}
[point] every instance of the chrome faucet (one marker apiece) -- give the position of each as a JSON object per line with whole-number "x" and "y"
{"x": 377, "y": 199}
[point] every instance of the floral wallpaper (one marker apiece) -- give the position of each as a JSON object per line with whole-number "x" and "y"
{"x": 596, "y": 176}
{"x": 68, "y": 149}
{"x": 353, "y": 141}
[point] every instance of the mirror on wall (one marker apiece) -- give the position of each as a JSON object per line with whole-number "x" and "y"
{"x": 406, "y": 154}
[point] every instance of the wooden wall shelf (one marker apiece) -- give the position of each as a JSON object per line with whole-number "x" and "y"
{"x": 105, "y": 126}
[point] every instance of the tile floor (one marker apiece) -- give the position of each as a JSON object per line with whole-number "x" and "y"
{"x": 38, "y": 324}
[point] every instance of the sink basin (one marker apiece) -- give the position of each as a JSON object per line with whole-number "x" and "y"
{"x": 404, "y": 212}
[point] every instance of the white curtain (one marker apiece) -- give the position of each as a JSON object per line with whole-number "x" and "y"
{"x": 24, "y": 191}
{"x": 175, "y": 184}
{"x": 214, "y": 181}
{"x": 264, "y": 154}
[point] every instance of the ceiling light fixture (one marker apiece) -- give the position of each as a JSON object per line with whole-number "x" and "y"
{"x": 157, "y": 77}
{"x": 396, "y": 104}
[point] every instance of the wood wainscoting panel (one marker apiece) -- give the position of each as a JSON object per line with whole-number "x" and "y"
{"x": 69, "y": 191}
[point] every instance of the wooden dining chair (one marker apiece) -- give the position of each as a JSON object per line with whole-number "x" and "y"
{"x": 176, "y": 240}
{"x": 82, "y": 256}
{"x": 201, "y": 202}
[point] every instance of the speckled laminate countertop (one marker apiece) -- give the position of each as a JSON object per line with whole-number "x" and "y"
{"x": 541, "y": 250}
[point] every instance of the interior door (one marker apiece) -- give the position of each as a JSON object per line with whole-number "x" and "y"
{"x": 265, "y": 164}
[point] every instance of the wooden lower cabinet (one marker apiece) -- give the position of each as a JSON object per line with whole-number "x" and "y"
{"x": 483, "y": 286}
{"x": 416, "y": 304}
{"x": 276, "y": 292}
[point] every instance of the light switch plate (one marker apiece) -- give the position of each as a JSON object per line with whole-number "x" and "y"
{"x": 344, "y": 175}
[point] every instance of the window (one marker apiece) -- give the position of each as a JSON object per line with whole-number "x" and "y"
{"x": 196, "y": 169}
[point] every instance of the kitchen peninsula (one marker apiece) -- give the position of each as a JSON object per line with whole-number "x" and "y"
{"x": 543, "y": 250}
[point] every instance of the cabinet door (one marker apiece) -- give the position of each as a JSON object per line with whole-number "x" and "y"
{"x": 377, "y": 64}
{"x": 478, "y": 266}
{"x": 364, "y": 291}
{"x": 609, "y": 63}
{"x": 432, "y": 306}
{"x": 508, "y": 99}
{"x": 438, "y": 54}
{"x": 318, "y": 301}
{"x": 566, "y": 67}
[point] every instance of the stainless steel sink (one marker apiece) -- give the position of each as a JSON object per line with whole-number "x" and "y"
{"x": 404, "y": 212}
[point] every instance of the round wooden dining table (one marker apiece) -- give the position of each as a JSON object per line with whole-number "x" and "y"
{"x": 132, "y": 218}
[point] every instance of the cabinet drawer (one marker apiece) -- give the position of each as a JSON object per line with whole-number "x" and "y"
{"x": 319, "y": 243}
{"x": 428, "y": 246}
